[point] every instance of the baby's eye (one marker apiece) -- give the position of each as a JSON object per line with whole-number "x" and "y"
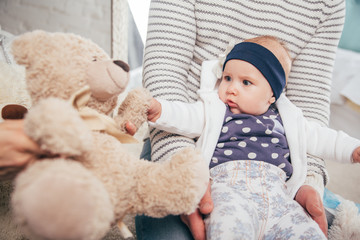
{"x": 227, "y": 78}
{"x": 94, "y": 58}
{"x": 247, "y": 82}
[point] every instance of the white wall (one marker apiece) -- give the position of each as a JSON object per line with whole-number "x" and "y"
{"x": 88, "y": 18}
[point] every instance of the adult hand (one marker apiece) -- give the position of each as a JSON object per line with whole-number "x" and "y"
{"x": 195, "y": 221}
{"x": 16, "y": 149}
{"x": 310, "y": 200}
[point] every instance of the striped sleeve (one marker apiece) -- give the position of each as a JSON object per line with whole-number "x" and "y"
{"x": 169, "y": 50}
{"x": 309, "y": 83}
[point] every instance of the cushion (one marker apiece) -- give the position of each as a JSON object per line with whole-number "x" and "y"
{"x": 350, "y": 38}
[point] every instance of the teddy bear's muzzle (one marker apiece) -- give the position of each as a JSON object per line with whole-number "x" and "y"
{"x": 107, "y": 78}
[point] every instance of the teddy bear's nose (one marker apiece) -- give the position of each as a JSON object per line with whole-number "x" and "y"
{"x": 123, "y": 65}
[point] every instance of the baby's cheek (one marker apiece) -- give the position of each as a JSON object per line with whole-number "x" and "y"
{"x": 221, "y": 95}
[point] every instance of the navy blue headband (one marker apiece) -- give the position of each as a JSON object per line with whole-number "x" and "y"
{"x": 264, "y": 60}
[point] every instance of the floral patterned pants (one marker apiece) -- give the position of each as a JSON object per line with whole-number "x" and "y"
{"x": 251, "y": 202}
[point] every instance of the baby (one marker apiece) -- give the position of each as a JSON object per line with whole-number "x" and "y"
{"x": 255, "y": 141}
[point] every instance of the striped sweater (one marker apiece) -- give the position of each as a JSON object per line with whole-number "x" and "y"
{"x": 181, "y": 34}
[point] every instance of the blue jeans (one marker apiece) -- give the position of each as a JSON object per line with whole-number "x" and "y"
{"x": 169, "y": 227}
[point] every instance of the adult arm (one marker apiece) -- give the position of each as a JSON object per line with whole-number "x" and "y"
{"x": 168, "y": 53}
{"x": 309, "y": 88}
{"x": 310, "y": 79}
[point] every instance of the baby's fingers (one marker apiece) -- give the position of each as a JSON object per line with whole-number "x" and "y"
{"x": 356, "y": 155}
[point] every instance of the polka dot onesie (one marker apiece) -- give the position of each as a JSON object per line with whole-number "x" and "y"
{"x": 249, "y": 137}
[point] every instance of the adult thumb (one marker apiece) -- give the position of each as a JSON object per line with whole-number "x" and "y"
{"x": 206, "y": 203}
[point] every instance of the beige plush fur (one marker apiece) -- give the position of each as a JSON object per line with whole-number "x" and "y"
{"x": 87, "y": 180}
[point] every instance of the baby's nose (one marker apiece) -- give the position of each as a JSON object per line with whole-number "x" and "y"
{"x": 232, "y": 89}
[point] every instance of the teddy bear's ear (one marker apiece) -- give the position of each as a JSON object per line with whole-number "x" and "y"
{"x": 24, "y": 44}
{"x": 13, "y": 111}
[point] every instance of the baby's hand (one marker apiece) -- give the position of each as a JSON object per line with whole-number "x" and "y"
{"x": 356, "y": 155}
{"x": 154, "y": 111}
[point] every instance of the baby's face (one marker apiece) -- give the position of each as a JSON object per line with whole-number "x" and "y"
{"x": 245, "y": 89}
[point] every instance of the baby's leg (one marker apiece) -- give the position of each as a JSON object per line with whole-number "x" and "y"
{"x": 251, "y": 202}
{"x": 290, "y": 221}
{"x": 236, "y": 212}
{"x": 233, "y": 216}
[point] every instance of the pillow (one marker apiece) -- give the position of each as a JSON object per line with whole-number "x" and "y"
{"x": 350, "y": 38}
{"x": 13, "y": 89}
{"x": 346, "y": 77}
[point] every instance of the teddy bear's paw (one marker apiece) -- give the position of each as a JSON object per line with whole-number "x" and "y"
{"x": 175, "y": 186}
{"x": 193, "y": 179}
{"x": 60, "y": 199}
{"x": 58, "y": 128}
{"x": 134, "y": 108}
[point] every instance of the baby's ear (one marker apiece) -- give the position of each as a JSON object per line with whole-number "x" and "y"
{"x": 13, "y": 111}
{"x": 272, "y": 100}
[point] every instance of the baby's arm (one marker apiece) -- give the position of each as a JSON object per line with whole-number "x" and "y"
{"x": 330, "y": 144}
{"x": 181, "y": 118}
{"x": 356, "y": 155}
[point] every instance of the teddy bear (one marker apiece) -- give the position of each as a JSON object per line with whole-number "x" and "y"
{"x": 85, "y": 181}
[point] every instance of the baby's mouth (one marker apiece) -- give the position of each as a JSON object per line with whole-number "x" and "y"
{"x": 231, "y": 103}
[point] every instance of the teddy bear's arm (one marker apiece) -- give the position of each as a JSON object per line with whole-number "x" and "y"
{"x": 172, "y": 187}
{"x": 58, "y": 128}
{"x": 134, "y": 108}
